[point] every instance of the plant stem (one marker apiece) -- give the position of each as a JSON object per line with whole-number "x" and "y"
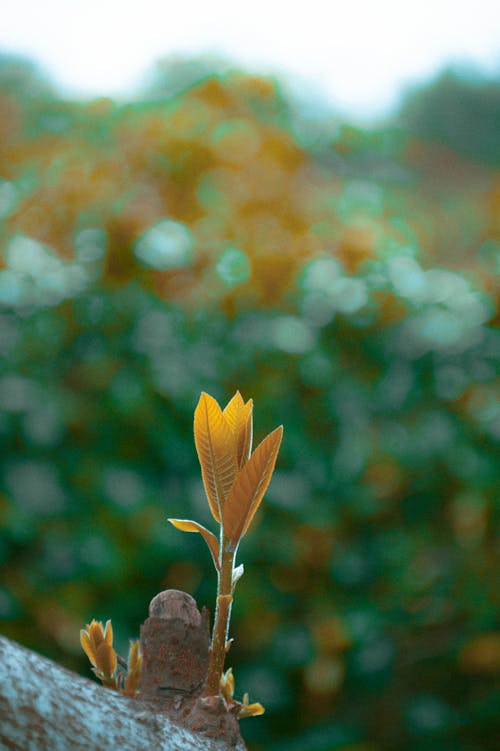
{"x": 221, "y": 621}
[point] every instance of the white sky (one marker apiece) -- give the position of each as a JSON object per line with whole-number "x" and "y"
{"x": 358, "y": 52}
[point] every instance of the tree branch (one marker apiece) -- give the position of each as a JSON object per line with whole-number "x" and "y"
{"x": 44, "y": 706}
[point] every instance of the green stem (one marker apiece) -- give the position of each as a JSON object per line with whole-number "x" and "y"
{"x": 221, "y": 621}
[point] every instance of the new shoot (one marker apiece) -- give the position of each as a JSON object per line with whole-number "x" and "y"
{"x": 235, "y": 481}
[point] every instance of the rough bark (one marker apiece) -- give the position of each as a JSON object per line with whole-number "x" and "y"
{"x": 44, "y": 706}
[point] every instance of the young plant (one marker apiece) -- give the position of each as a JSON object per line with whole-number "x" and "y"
{"x": 97, "y": 643}
{"x": 235, "y": 481}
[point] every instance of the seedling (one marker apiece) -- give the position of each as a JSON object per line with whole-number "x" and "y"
{"x": 235, "y": 481}
{"x": 110, "y": 668}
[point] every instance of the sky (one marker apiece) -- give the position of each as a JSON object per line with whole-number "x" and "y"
{"x": 358, "y": 54}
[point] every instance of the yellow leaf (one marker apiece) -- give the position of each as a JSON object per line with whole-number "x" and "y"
{"x": 227, "y": 684}
{"x": 251, "y": 710}
{"x": 108, "y": 633}
{"x": 232, "y": 409}
{"x": 87, "y": 646}
{"x": 186, "y": 525}
{"x": 96, "y": 633}
{"x": 215, "y": 446}
{"x": 249, "y": 487}
{"x": 239, "y": 418}
{"x": 134, "y": 656}
{"x": 132, "y": 682}
{"x": 106, "y": 659}
{"x": 133, "y": 679}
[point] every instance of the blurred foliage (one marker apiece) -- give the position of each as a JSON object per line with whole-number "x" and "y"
{"x": 462, "y": 109}
{"x": 23, "y": 78}
{"x": 172, "y": 74}
{"x": 198, "y": 240}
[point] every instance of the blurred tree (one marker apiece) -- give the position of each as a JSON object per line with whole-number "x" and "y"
{"x": 460, "y": 108}
{"x": 23, "y": 78}
{"x": 174, "y": 73}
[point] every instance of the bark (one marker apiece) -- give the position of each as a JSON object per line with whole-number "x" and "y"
{"x": 46, "y": 707}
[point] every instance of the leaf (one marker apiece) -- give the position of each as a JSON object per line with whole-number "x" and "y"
{"x": 239, "y": 418}
{"x": 232, "y": 409}
{"x": 215, "y": 446}
{"x": 108, "y": 633}
{"x": 87, "y": 645}
{"x": 245, "y": 434}
{"x": 106, "y": 660}
{"x": 186, "y": 525}
{"x": 237, "y": 574}
{"x": 134, "y": 655}
{"x": 96, "y": 633}
{"x": 249, "y": 487}
{"x": 227, "y": 684}
{"x": 250, "y": 710}
{"x": 134, "y": 666}
{"x": 132, "y": 682}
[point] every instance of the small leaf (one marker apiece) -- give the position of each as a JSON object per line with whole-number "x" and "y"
{"x": 237, "y": 574}
{"x": 106, "y": 661}
{"x": 250, "y": 710}
{"x": 134, "y": 655}
{"x": 133, "y": 678}
{"x": 132, "y": 682}
{"x": 227, "y": 684}
{"x": 87, "y": 645}
{"x": 249, "y": 487}
{"x": 239, "y": 418}
{"x": 245, "y": 434}
{"x": 96, "y": 633}
{"x": 232, "y": 410}
{"x": 186, "y": 525}
{"x": 215, "y": 446}
{"x": 108, "y": 633}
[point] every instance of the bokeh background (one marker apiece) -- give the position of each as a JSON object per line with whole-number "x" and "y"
{"x": 213, "y": 233}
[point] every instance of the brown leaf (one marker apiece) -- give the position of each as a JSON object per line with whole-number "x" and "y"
{"x": 96, "y": 633}
{"x": 133, "y": 679}
{"x": 87, "y": 645}
{"x": 134, "y": 655}
{"x": 106, "y": 659}
{"x": 108, "y": 633}
{"x": 249, "y": 487}
{"x": 186, "y": 525}
{"x": 239, "y": 418}
{"x": 215, "y": 446}
{"x": 132, "y": 682}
